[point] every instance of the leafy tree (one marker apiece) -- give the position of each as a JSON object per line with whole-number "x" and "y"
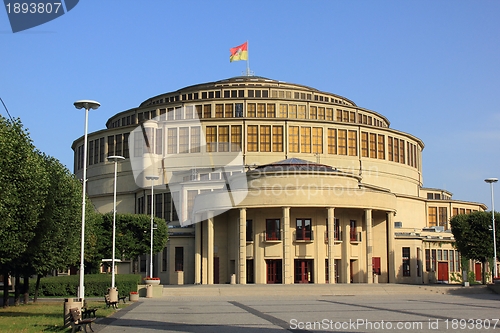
{"x": 23, "y": 188}
{"x": 473, "y": 236}
{"x": 133, "y": 237}
{"x": 56, "y": 243}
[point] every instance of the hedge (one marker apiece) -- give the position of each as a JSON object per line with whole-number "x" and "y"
{"x": 96, "y": 285}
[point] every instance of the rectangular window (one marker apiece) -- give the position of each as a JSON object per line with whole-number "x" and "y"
{"x": 353, "y": 234}
{"x": 91, "y": 152}
{"x": 432, "y": 217}
{"x": 352, "y": 117}
{"x": 223, "y": 138}
{"x": 189, "y": 111}
{"x": 172, "y": 141}
{"x": 390, "y": 149}
{"x": 396, "y": 150}
{"x": 179, "y": 259}
{"x": 219, "y": 110}
{"x": 158, "y": 205}
{"x": 433, "y": 260}
{"x": 228, "y": 110}
{"x": 126, "y": 153}
{"x": 178, "y": 113}
{"x": 406, "y": 261}
{"x": 317, "y": 140}
{"x": 364, "y": 144}
{"x": 305, "y": 139}
{"x": 381, "y": 147}
{"x": 418, "y": 262}
{"x": 292, "y": 112}
{"x": 265, "y": 138}
{"x": 401, "y": 151}
{"x": 195, "y": 139}
{"x": 211, "y": 138}
{"x": 101, "y": 150}
{"x": 167, "y": 206}
{"x": 352, "y": 143}
{"x": 138, "y": 145}
{"x": 249, "y": 231}
{"x": 345, "y": 116}
{"x": 271, "y": 111}
{"x": 184, "y": 140}
{"x": 236, "y": 138}
{"x": 273, "y": 229}
{"x": 376, "y": 266}
{"x": 342, "y": 142}
{"x": 329, "y": 114}
{"x": 452, "y": 261}
{"x": 293, "y": 139}
{"x": 199, "y": 111}
{"x": 261, "y": 110}
{"x": 313, "y": 112}
{"x": 332, "y": 141}
{"x": 277, "y": 138}
{"x": 158, "y": 141}
{"x": 321, "y": 113}
{"x": 303, "y": 229}
{"x": 337, "y": 235}
{"x": 301, "y": 112}
{"x": 443, "y": 216}
{"x": 252, "y": 138}
{"x": 283, "y": 111}
{"x": 251, "y": 110}
{"x": 111, "y": 145}
{"x": 207, "y": 111}
{"x": 373, "y": 145}
{"x": 238, "y": 112}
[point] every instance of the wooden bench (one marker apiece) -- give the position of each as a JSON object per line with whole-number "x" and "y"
{"x": 109, "y": 303}
{"x": 77, "y": 321}
{"x": 123, "y": 298}
{"x": 88, "y": 312}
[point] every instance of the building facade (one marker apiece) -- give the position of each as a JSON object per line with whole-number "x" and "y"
{"x": 323, "y": 191}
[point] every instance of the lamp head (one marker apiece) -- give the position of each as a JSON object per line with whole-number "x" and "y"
{"x": 491, "y": 180}
{"x": 86, "y": 104}
{"x": 115, "y": 158}
{"x": 152, "y": 177}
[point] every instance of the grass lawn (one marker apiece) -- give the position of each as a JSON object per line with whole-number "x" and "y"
{"x": 43, "y": 317}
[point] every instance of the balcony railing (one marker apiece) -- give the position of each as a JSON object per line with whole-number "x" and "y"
{"x": 272, "y": 235}
{"x": 337, "y": 236}
{"x": 355, "y": 236}
{"x": 304, "y": 235}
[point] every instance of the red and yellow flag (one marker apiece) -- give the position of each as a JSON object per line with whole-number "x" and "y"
{"x": 239, "y": 52}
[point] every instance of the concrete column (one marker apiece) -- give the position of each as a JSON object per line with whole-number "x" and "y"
{"x": 197, "y": 253}
{"x": 287, "y": 270}
{"x": 210, "y": 249}
{"x": 331, "y": 242}
{"x": 346, "y": 254}
{"x": 242, "y": 258}
{"x": 369, "y": 245}
{"x": 390, "y": 248}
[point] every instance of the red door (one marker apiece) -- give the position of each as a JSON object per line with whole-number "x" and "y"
{"x": 477, "y": 271}
{"x": 443, "y": 271}
{"x": 303, "y": 271}
{"x": 273, "y": 271}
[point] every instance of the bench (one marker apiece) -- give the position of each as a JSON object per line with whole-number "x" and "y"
{"x": 88, "y": 312}
{"x": 109, "y": 303}
{"x": 77, "y": 321}
{"x": 123, "y": 298}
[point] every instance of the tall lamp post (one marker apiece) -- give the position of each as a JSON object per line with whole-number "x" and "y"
{"x": 114, "y": 159}
{"x": 152, "y": 178}
{"x": 491, "y": 181}
{"x": 87, "y": 105}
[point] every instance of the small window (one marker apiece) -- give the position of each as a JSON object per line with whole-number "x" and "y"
{"x": 406, "y": 261}
{"x": 179, "y": 259}
{"x": 273, "y": 229}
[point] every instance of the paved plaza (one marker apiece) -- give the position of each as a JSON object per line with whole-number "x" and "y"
{"x": 311, "y": 308}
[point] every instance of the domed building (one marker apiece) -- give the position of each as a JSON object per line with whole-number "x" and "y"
{"x": 263, "y": 181}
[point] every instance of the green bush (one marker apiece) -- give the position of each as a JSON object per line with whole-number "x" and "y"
{"x": 96, "y": 285}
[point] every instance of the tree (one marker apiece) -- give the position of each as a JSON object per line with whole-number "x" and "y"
{"x": 133, "y": 237}
{"x": 23, "y": 187}
{"x": 473, "y": 236}
{"x": 56, "y": 240}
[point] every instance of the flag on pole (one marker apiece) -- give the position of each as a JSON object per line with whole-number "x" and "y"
{"x": 239, "y": 52}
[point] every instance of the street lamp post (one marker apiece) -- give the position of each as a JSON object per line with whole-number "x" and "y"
{"x": 152, "y": 178}
{"x": 114, "y": 159}
{"x": 87, "y": 105}
{"x": 491, "y": 181}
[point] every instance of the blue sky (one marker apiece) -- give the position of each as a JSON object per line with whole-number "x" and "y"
{"x": 431, "y": 67}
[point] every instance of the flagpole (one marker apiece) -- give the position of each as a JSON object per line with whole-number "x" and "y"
{"x": 248, "y": 61}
